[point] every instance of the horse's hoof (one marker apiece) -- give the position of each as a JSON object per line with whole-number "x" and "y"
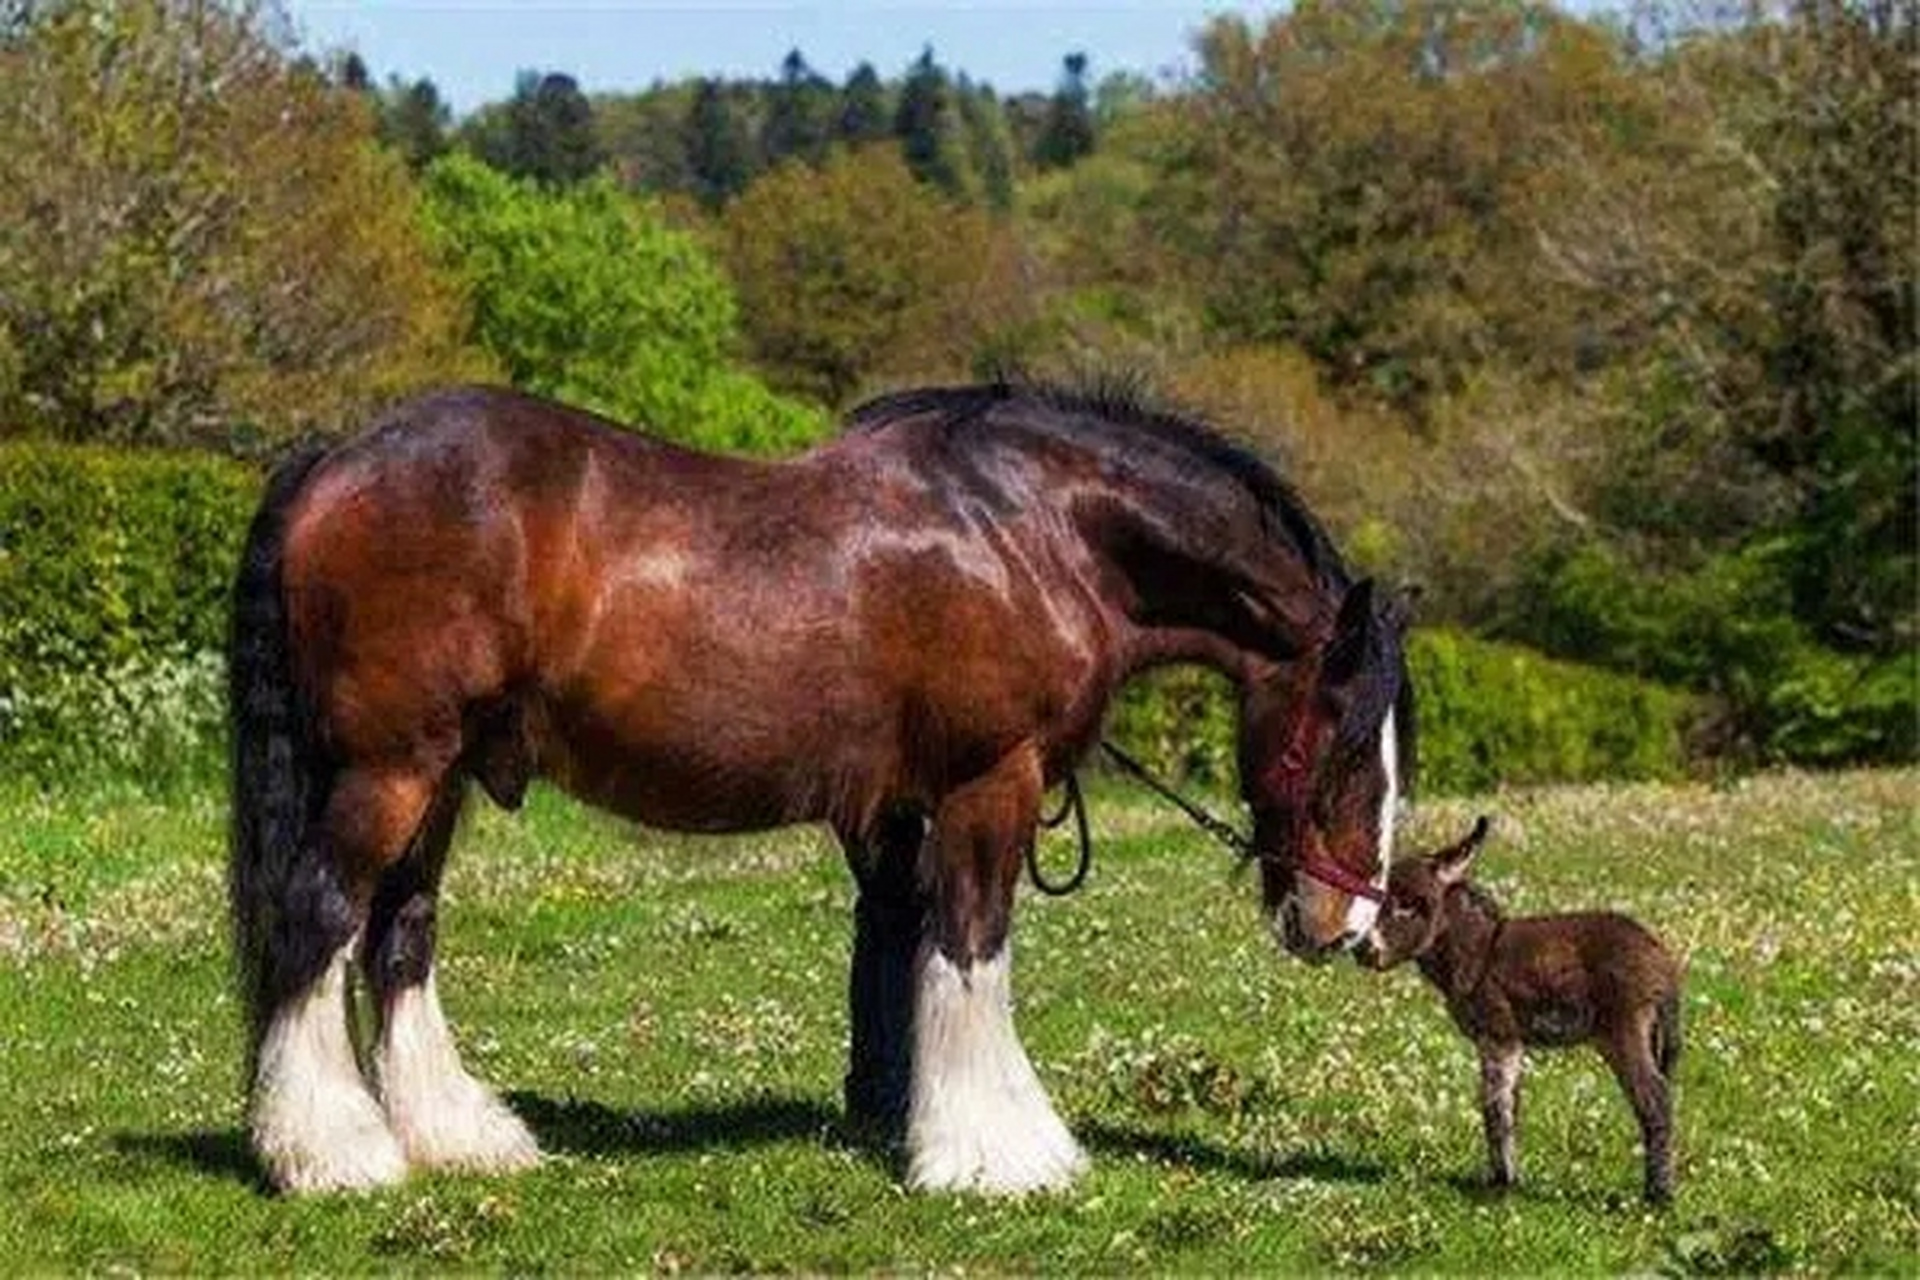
{"x": 1045, "y": 1158}
{"x": 353, "y": 1150}
{"x": 467, "y": 1129}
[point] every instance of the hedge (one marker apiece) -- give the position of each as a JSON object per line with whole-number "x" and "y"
{"x": 115, "y": 568}
{"x": 114, "y": 573}
{"x": 1489, "y": 715}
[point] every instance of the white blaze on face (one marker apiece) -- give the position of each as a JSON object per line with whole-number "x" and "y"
{"x": 1361, "y": 912}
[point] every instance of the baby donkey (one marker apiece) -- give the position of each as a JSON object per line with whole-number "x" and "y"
{"x": 1543, "y": 980}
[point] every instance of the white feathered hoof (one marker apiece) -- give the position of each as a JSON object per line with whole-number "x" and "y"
{"x": 979, "y": 1120}
{"x": 315, "y": 1126}
{"x": 443, "y": 1117}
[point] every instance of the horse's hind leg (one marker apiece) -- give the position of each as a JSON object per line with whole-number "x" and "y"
{"x": 315, "y": 1126}
{"x": 443, "y": 1117}
{"x": 979, "y": 1118}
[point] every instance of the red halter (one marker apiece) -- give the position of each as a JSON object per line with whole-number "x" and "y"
{"x": 1333, "y": 874}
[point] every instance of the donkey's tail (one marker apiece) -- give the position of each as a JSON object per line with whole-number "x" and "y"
{"x": 278, "y": 777}
{"x": 1667, "y": 1040}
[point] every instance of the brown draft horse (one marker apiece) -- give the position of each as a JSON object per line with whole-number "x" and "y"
{"x": 908, "y": 633}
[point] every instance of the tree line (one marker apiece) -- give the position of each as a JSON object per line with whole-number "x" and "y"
{"x": 1601, "y": 328}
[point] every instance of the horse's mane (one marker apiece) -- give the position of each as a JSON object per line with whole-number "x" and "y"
{"x": 1090, "y": 411}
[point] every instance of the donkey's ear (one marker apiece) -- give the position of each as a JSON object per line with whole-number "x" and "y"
{"x": 1451, "y": 865}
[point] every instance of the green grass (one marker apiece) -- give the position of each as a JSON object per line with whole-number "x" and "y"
{"x": 668, "y": 1015}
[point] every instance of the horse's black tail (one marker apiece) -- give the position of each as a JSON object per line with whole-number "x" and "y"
{"x": 1666, "y": 1035}
{"x": 278, "y": 777}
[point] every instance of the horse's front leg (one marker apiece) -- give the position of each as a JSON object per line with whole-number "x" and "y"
{"x": 978, "y": 1119}
{"x": 889, "y": 924}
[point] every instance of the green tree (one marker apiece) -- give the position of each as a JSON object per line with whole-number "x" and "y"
{"x": 198, "y": 241}
{"x": 544, "y": 132}
{"x": 415, "y": 121}
{"x": 586, "y": 295}
{"x": 928, "y": 125}
{"x": 863, "y": 108}
{"x": 856, "y": 269}
{"x": 719, "y": 156}
{"x": 800, "y": 114}
{"x": 1068, "y": 133}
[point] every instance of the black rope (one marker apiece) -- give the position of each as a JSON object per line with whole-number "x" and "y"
{"x": 1221, "y": 831}
{"x": 1076, "y": 804}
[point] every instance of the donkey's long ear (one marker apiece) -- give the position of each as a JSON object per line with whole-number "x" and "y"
{"x": 1451, "y": 865}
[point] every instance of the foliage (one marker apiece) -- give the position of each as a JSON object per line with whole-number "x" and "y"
{"x": 1490, "y": 715}
{"x": 1767, "y": 284}
{"x": 1351, "y": 179}
{"x": 800, "y": 111}
{"x": 669, "y": 1015}
{"x": 927, "y": 122}
{"x": 1067, "y": 136}
{"x": 198, "y": 242}
{"x": 544, "y": 132}
{"x": 855, "y": 270}
{"x": 586, "y": 295}
{"x": 114, "y": 574}
{"x": 719, "y": 154}
{"x": 1728, "y": 628}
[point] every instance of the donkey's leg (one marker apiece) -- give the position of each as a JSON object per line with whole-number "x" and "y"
{"x": 889, "y": 923}
{"x": 1631, "y": 1055}
{"x": 443, "y": 1117}
{"x": 979, "y": 1119}
{"x": 315, "y": 1126}
{"x": 1499, "y": 1107}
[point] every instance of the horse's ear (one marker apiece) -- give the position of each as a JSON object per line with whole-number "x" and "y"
{"x": 1398, "y": 610}
{"x": 1352, "y": 631}
{"x": 1451, "y": 865}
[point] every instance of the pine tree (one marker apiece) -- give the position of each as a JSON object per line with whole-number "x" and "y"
{"x": 717, "y": 146}
{"x": 1067, "y": 134}
{"x": 800, "y": 111}
{"x": 927, "y": 126}
{"x": 545, "y": 132}
{"x": 863, "y": 108}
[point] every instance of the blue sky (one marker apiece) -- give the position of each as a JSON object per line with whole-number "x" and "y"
{"x": 471, "y": 49}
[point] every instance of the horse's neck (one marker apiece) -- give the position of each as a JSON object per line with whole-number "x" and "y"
{"x": 1232, "y": 603}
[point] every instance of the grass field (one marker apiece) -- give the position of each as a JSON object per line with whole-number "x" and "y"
{"x": 668, "y": 1015}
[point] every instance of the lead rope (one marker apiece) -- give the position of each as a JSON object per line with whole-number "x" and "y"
{"x": 1075, "y": 803}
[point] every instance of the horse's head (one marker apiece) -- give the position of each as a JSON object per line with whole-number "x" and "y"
{"x": 1322, "y": 746}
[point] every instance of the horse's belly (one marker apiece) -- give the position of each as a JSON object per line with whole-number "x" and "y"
{"x": 699, "y": 769}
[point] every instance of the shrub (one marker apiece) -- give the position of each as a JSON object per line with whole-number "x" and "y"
{"x": 1727, "y": 629}
{"x": 114, "y": 573}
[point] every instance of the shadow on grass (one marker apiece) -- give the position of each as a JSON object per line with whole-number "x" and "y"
{"x": 218, "y": 1153}
{"x": 1322, "y": 1166}
{"x": 593, "y": 1129}
{"x": 1199, "y": 1154}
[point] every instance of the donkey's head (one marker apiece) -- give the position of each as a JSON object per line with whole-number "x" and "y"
{"x": 1322, "y": 746}
{"x": 1415, "y": 914}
